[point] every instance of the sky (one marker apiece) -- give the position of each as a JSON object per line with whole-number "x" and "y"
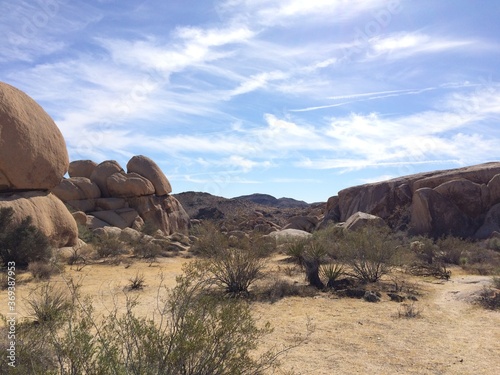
{"x": 290, "y": 98}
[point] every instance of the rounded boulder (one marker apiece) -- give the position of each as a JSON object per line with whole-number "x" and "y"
{"x": 147, "y": 168}
{"x": 33, "y": 153}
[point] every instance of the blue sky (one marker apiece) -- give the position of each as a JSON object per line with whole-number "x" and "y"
{"x": 291, "y": 98}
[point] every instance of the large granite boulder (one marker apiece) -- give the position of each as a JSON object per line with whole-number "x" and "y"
{"x": 360, "y": 220}
{"x": 33, "y": 153}
{"x": 81, "y": 168}
{"x": 147, "y": 168}
{"x": 123, "y": 185}
{"x": 48, "y": 214}
{"x": 162, "y": 212}
{"x": 436, "y": 215}
{"x": 435, "y": 203}
{"x": 76, "y": 188}
{"x": 102, "y": 172}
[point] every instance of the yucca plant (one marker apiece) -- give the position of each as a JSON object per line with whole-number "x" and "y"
{"x": 331, "y": 272}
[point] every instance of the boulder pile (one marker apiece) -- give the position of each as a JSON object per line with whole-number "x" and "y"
{"x": 33, "y": 160}
{"x": 104, "y": 195}
{"x": 463, "y": 202}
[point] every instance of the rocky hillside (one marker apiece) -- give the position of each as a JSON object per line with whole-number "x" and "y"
{"x": 463, "y": 202}
{"x": 248, "y": 211}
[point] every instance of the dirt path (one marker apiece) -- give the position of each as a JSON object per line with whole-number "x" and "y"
{"x": 451, "y": 337}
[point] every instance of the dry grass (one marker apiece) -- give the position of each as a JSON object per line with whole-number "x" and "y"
{"x": 451, "y": 335}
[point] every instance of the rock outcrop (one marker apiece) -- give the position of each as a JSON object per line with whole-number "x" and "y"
{"x": 33, "y": 160}
{"x": 33, "y": 153}
{"x": 456, "y": 201}
{"x": 111, "y": 197}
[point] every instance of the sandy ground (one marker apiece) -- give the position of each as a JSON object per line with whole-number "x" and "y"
{"x": 451, "y": 335}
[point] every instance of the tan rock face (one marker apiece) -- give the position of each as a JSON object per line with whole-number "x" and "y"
{"x": 76, "y": 188}
{"x": 33, "y": 153}
{"x": 123, "y": 185}
{"x": 102, "y": 172}
{"x": 147, "y": 168}
{"x": 49, "y": 215}
{"x": 81, "y": 168}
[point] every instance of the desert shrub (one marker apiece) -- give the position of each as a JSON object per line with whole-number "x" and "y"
{"x": 23, "y": 243}
{"x": 369, "y": 252}
{"x": 494, "y": 244}
{"x": 148, "y": 228}
{"x": 235, "y": 270}
{"x": 279, "y": 288}
{"x": 43, "y": 270}
{"x": 195, "y": 332}
{"x": 453, "y": 249}
{"x": 210, "y": 239}
{"x": 329, "y": 238}
{"x": 437, "y": 270}
{"x": 262, "y": 245}
{"x": 489, "y": 298}
{"x": 49, "y": 303}
{"x": 137, "y": 282}
{"x": 108, "y": 246}
{"x": 312, "y": 259}
{"x": 148, "y": 250}
{"x": 296, "y": 250}
{"x": 408, "y": 311}
{"x": 85, "y": 234}
{"x": 496, "y": 282}
{"x": 331, "y": 272}
{"x": 424, "y": 248}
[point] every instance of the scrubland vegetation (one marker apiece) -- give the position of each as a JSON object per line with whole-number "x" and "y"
{"x": 204, "y": 325}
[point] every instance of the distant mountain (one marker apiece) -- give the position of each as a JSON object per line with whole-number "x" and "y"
{"x": 199, "y": 205}
{"x": 269, "y": 200}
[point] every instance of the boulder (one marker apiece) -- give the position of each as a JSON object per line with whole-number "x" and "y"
{"x": 147, "y": 168}
{"x": 80, "y": 217}
{"x": 33, "y": 153}
{"x": 305, "y": 223}
{"x": 95, "y": 223}
{"x": 48, "y": 214}
{"x": 76, "y": 188}
{"x": 494, "y": 189}
{"x": 102, "y": 172}
{"x": 289, "y": 235}
{"x": 85, "y": 205}
{"x": 111, "y": 203}
{"x": 164, "y": 213}
{"x": 107, "y": 232}
{"x": 130, "y": 235}
{"x": 122, "y": 185}
{"x": 129, "y": 215}
{"x": 435, "y": 215}
{"x": 110, "y": 217}
{"x": 491, "y": 223}
{"x": 471, "y": 198}
{"x": 362, "y": 219}
{"x": 81, "y": 168}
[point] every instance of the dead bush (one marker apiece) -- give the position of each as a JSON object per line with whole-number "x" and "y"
{"x": 43, "y": 270}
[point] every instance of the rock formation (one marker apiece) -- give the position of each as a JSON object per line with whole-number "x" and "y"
{"x": 33, "y": 159}
{"x": 111, "y": 197}
{"x": 459, "y": 202}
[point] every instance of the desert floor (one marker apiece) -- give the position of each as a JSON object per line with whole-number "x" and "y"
{"x": 451, "y": 336}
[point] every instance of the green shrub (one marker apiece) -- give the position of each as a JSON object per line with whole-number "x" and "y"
{"x": 296, "y": 250}
{"x": 331, "y": 272}
{"x": 148, "y": 250}
{"x": 23, "y": 243}
{"x": 85, "y": 234}
{"x": 108, "y": 246}
{"x": 453, "y": 249}
{"x": 210, "y": 239}
{"x": 49, "y": 304}
{"x": 234, "y": 270}
{"x": 43, "y": 270}
{"x": 369, "y": 252}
